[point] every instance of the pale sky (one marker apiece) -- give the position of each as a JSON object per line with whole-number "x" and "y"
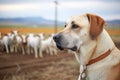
{"x": 108, "y": 9}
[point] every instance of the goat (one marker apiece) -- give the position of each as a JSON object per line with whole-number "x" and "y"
{"x": 23, "y": 43}
{"x": 12, "y": 42}
{"x": 34, "y": 42}
{"x": 48, "y": 45}
{"x": 5, "y": 42}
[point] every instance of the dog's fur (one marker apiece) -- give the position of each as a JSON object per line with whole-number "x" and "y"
{"x": 85, "y": 34}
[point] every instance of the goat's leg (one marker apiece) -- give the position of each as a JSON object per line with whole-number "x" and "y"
{"x": 23, "y": 51}
{"x": 15, "y": 47}
{"x": 50, "y": 50}
{"x": 28, "y": 50}
{"x": 47, "y": 50}
{"x": 40, "y": 52}
{"x": 11, "y": 48}
{"x": 32, "y": 51}
{"x": 55, "y": 51}
{"x": 35, "y": 51}
{"x": 6, "y": 47}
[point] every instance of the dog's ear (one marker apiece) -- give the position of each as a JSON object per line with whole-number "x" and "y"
{"x": 96, "y": 25}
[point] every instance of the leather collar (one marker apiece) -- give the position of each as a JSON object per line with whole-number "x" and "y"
{"x": 99, "y": 58}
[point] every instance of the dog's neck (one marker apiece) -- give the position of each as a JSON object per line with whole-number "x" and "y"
{"x": 95, "y": 48}
{"x": 104, "y": 44}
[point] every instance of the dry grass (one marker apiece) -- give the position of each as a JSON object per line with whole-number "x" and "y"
{"x": 29, "y": 30}
{"x": 45, "y": 30}
{"x": 114, "y": 32}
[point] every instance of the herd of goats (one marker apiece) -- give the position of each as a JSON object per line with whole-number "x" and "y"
{"x": 27, "y": 44}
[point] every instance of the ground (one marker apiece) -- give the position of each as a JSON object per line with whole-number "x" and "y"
{"x": 25, "y": 67}
{"x": 16, "y": 66}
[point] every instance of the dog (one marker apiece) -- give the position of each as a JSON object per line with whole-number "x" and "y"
{"x": 95, "y": 51}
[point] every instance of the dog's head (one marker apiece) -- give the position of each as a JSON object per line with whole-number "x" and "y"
{"x": 79, "y": 30}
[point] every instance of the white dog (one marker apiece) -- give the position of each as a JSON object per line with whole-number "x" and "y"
{"x": 94, "y": 49}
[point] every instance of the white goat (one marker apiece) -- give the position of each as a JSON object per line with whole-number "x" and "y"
{"x": 41, "y": 36}
{"x": 23, "y": 43}
{"x": 34, "y": 42}
{"x": 1, "y": 45}
{"x": 15, "y": 32}
{"x": 8, "y": 41}
{"x": 52, "y": 45}
{"x": 19, "y": 42}
{"x": 12, "y": 41}
{"x": 48, "y": 45}
{"x": 5, "y": 42}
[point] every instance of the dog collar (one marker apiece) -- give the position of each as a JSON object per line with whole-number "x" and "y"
{"x": 99, "y": 58}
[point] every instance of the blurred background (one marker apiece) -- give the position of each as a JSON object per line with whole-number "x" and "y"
{"x": 49, "y": 16}
{"x": 43, "y": 13}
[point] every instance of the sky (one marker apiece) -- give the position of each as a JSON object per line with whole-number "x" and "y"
{"x": 107, "y": 9}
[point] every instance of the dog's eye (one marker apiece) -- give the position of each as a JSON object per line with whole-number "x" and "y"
{"x": 65, "y": 25}
{"x": 74, "y": 26}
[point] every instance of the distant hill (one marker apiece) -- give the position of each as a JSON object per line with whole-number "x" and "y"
{"x": 114, "y": 21}
{"x": 113, "y": 24}
{"x": 40, "y": 21}
{"x": 32, "y": 21}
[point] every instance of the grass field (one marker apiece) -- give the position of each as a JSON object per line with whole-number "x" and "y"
{"x": 29, "y": 30}
{"x": 114, "y": 32}
{"x": 47, "y": 30}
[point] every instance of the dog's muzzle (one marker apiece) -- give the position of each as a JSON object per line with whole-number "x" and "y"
{"x": 57, "y": 39}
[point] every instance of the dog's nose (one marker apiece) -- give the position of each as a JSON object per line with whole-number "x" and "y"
{"x": 56, "y": 38}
